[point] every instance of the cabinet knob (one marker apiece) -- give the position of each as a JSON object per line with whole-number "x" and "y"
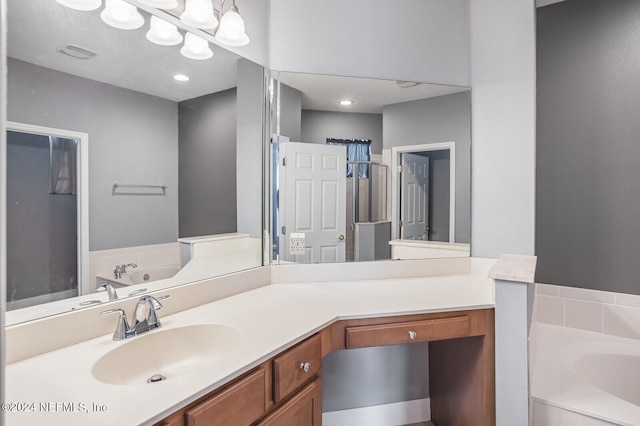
{"x": 341, "y": 237}
{"x": 412, "y": 335}
{"x": 305, "y": 366}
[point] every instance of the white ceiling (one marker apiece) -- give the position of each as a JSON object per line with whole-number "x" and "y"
{"x": 323, "y": 92}
{"x": 124, "y": 58}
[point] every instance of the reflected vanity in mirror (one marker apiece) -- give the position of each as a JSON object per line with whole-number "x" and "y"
{"x": 125, "y": 153}
{"x": 366, "y": 169}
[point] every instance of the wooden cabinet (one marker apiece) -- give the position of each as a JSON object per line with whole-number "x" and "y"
{"x": 241, "y": 404}
{"x": 365, "y": 336}
{"x": 286, "y": 390}
{"x": 295, "y": 367}
{"x": 304, "y": 409}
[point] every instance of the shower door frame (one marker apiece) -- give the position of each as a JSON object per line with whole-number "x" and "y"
{"x": 82, "y": 203}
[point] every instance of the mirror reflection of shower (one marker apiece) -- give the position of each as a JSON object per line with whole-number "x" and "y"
{"x": 42, "y": 221}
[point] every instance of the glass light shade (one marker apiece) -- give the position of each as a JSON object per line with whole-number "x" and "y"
{"x": 122, "y": 15}
{"x": 231, "y": 31}
{"x": 163, "y": 33}
{"x": 84, "y": 5}
{"x": 196, "y": 47}
{"x": 160, "y": 4}
{"x": 199, "y": 14}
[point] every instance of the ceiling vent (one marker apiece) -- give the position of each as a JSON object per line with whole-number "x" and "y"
{"x": 76, "y": 52}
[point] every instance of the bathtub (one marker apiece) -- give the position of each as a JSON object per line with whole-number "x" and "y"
{"x": 141, "y": 275}
{"x": 581, "y": 378}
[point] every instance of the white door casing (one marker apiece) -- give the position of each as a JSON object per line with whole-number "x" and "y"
{"x": 414, "y": 195}
{"x": 395, "y": 183}
{"x": 312, "y": 200}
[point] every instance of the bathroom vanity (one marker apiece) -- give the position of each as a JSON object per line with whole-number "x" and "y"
{"x": 266, "y": 368}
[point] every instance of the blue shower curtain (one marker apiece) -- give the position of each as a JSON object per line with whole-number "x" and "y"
{"x": 357, "y": 150}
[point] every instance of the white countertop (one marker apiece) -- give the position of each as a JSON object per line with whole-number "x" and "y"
{"x": 269, "y": 319}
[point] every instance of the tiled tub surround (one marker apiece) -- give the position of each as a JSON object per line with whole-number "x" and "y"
{"x": 585, "y": 357}
{"x": 591, "y": 310}
{"x": 103, "y": 262}
{"x": 270, "y": 318}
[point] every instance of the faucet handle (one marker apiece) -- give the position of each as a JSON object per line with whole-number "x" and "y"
{"x": 153, "y": 300}
{"x": 105, "y": 286}
{"x": 123, "y": 326}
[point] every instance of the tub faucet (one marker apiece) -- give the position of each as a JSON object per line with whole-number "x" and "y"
{"x": 105, "y": 286}
{"x": 144, "y": 318}
{"x": 122, "y": 269}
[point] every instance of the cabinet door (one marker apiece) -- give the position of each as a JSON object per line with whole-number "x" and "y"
{"x": 239, "y": 405}
{"x": 304, "y": 409}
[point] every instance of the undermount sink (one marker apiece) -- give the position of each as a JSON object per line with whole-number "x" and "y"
{"x": 165, "y": 354}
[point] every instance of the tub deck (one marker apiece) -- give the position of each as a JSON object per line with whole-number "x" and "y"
{"x": 563, "y": 396}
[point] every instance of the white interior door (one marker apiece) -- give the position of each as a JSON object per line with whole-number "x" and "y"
{"x": 313, "y": 187}
{"x": 414, "y": 194}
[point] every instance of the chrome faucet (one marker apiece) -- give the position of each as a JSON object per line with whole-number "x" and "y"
{"x": 122, "y": 269}
{"x": 144, "y": 318}
{"x": 105, "y": 286}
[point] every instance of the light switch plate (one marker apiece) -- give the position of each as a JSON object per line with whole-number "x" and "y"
{"x": 296, "y": 243}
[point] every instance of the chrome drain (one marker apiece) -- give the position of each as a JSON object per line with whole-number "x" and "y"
{"x": 156, "y": 378}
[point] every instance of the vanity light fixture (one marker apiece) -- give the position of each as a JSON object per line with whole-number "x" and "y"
{"x": 196, "y": 47}
{"x": 84, "y": 5}
{"x": 160, "y": 4}
{"x": 163, "y": 33}
{"x": 231, "y": 31}
{"x": 346, "y": 102}
{"x": 229, "y": 26}
{"x": 199, "y": 14}
{"x": 122, "y": 15}
{"x": 181, "y": 77}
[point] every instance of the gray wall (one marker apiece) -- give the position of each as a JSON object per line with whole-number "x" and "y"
{"x": 41, "y": 227}
{"x": 373, "y": 376}
{"x": 433, "y": 120}
{"x": 208, "y": 164}
{"x": 317, "y": 126}
{"x": 249, "y": 146}
{"x": 588, "y": 155}
{"x": 439, "y": 197}
{"x": 290, "y": 112}
{"x": 132, "y": 140}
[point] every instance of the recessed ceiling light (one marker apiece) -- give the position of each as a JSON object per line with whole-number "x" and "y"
{"x": 346, "y": 102}
{"x": 181, "y": 77}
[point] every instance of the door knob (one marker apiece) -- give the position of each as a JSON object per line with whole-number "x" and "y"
{"x": 341, "y": 237}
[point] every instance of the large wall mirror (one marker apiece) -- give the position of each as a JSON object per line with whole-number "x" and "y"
{"x": 130, "y": 162}
{"x": 366, "y": 169}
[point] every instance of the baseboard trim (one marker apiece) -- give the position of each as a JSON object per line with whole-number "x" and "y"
{"x": 397, "y": 413}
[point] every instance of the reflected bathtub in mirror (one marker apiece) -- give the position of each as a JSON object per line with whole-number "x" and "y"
{"x": 145, "y": 128}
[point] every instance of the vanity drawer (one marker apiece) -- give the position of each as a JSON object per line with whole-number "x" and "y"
{"x": 295, "y": 367}
{"x": 407, "y": 332}
{"x": 241, "y": 404}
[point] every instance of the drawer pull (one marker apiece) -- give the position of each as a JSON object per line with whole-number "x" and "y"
{"x": 305, "y": 366}
{"x": 412, "y": 335}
